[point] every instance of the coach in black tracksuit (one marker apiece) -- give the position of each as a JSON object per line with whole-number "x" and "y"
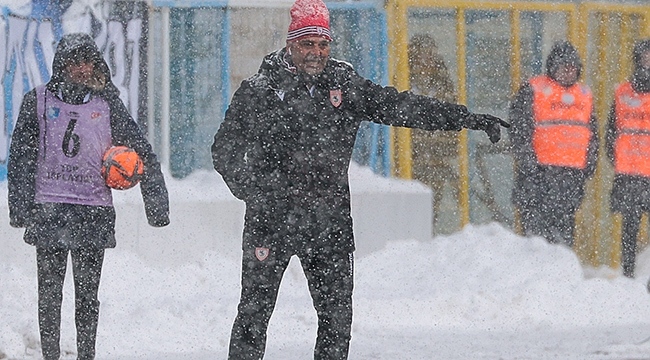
{"x": 284, "y": 148}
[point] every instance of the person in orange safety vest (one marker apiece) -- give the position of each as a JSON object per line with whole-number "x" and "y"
{"x": 628, "y": 148}
{"x": 555, "y": 146}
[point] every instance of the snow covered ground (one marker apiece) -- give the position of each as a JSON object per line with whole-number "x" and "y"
{"x": 482, "y": 293}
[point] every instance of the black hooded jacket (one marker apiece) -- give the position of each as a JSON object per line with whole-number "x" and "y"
{"x": 69, "y": 225}
{"x": 532, "y": 179}
{"x": 630, "y": 192}
{"x": 286, "y": 142}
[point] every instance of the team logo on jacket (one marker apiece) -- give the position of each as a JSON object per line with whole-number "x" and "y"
{"x": 336, "y": 97}
{"x": 261, "y": 253}
{"x": 53, "y": 112}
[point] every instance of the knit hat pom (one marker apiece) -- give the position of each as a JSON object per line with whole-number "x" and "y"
{"x": 309, "y": 18}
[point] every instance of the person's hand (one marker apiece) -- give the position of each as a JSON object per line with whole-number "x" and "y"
{"x": 488, "y": 123}
{"x": 18, "y": 222}
{"x": 159, "y": 221}
{"x": 23, "y": 219}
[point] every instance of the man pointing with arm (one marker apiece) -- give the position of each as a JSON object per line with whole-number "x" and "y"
{"x": 284, "y": 148}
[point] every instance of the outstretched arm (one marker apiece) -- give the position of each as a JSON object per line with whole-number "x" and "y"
{"x": 386, "y": 105}
{"x": 521, "y": 132}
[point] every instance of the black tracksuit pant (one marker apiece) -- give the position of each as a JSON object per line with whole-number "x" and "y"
{"x": 554, "y": 222}
{"x": 86, "y": 269}
{"x": 330, "y": 280}
{"x": 631, "y": 223}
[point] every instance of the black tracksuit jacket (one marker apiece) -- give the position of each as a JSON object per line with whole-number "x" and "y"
{"x": 285, "y": 147}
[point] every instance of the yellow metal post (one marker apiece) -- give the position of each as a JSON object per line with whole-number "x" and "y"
{"x": 402, "y": 148}
{"x": 583, "y": 233}
{"x": 515, "y": 79}
{"x": 515, "y": 55}
{"x": 602, "y": 111}
{"x": 579, "y": 36}
{"x": 463, "y": 153}
{"x": 626, "y": 47}
{"x": 576, "y": 27}
{"x": 391, "y": 25}
{"x": 614, "y": 259}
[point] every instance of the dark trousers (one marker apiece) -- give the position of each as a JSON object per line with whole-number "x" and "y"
{"x": 330, "y": 280}
{"x": 86, "y": 269}
{"x": 554, "y": 222}
{"x": 631, "y": 223}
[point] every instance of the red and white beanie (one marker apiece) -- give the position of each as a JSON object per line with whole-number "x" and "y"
{"x": 309, "y": 18}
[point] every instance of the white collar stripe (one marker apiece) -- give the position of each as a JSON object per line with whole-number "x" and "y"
{"x": 308, "y": 30}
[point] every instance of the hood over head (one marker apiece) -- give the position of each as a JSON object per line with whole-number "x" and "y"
{"x": 640, "y": 75}
{"x": 562, "y": 53}
{"x": 74, "y": 48}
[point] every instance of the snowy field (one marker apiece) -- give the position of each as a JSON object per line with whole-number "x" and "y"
{"x": 482, "y": 293}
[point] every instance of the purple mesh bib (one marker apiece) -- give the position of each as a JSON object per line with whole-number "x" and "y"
{"x": 73, "y": 140}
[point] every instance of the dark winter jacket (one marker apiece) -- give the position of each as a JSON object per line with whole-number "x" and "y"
{"x": 532, "y": 179}
{"x": 629, "y": 192}
{"x": 71, "y": 225}
{"x": 286, "y": 152}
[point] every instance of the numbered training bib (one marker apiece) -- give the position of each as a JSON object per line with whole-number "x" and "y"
{"x": 73, "y": 139}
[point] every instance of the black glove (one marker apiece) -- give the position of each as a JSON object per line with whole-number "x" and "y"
{"x": 159, "y": 220}
{"x": 18, "y": 222}
{"x": 22, "y": 218}
{"x": 488, "y": 123}
{"x": 157, "y": 216}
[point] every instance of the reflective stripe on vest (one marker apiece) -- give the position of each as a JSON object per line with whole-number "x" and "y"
{"x": 562, "y": 130}
{"x": 632, "y": 146}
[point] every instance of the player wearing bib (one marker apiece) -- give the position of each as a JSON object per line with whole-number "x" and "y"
{"x": 56, "y": 191}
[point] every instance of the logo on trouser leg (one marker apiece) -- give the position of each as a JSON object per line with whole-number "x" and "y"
{"x": 261, "y": 253}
